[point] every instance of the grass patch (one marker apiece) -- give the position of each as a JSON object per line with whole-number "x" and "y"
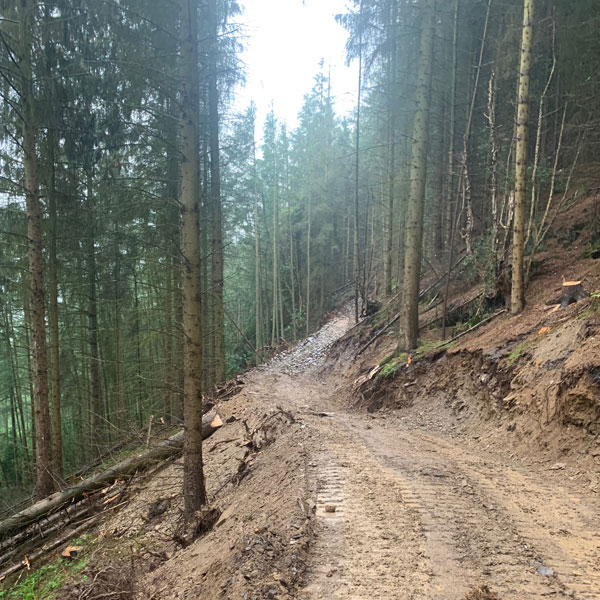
{"x": 392, "y": 366}
{"x": 394, "y": 362}
{"x": 45, "y": 582}
{"x": 593, "y": 310}
{"x": 518, "y": 351}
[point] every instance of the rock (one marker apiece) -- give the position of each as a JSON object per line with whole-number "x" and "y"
{"x": 558, "y": 466}
{"x": 541, "y": 569}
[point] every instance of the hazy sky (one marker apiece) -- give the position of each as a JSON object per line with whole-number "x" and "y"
{"x": 284, "y": 44}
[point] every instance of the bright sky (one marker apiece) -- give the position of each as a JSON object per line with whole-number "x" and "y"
{"x": 285, "y": 42}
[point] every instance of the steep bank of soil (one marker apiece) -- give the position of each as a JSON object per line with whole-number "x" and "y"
{"x": 535, "y": 395}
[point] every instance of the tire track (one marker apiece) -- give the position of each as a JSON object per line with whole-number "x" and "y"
{"x": 487, "y": 522}
{"x": 371, "y": 545}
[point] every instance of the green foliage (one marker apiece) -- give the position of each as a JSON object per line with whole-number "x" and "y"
{"x": 519, "y": 351}
{"x": 393, "y": 365}
{"x": 592, "y": 249}
{"x": 45, "y": 583}
{"x": 394, "y": 362}
{"x": 593, "y": 310}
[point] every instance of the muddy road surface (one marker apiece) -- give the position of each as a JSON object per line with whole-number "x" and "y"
{"x": 407, "y": 513}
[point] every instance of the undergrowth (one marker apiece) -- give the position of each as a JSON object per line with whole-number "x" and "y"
{"x": 394, "y": 362}
{"x": 45, "y": 582}
{"x": 593, "y": 310}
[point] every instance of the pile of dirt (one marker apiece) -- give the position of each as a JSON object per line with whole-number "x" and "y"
{"x": 538, "y": 399}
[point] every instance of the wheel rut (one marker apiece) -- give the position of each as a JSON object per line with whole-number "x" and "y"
{"x": 407, "y": 515}
{"x": 368, "y": 542}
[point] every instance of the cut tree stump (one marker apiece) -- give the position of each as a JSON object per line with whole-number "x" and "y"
{"x": 572, "y": 292}
{"x": 129, "y": 466}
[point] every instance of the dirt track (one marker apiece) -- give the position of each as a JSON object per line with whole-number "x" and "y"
{"x": 405, "y": 513}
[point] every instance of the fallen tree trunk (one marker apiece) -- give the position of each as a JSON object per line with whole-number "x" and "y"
{"x": 449, "y": 311}
{"x": 440, "y": 279}
{"x": 139, "y": 462}
{"x": 376, "y": 336}
{"x": 26, "y": 562}
{"x": 482, "y": 322}
{"x": 45, "y": 528}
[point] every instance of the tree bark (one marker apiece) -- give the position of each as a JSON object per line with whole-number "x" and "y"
{"x": 43, "y": 449}
{"x": 258, "y": 338}
{"x": 308, "y": 265}
{"x": 53, "y": 309}
{"x": 517, "y": 300}
{"x": 194, "y": 491}
{"x": 215, "y": 192}
{"x": 95, "y": 399}
{"x": 392, "y": 104}
{"x": 356, "y": 261}
{"x": 414, "y": 217}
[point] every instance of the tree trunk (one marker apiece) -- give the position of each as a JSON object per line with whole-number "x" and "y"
{"x": 450, "y": 212}
{"x": 388, "y": 247}
{"x": 194, "y": 491}
{"x": 276, "y": 326}
{"x": 44, "y": 480}
{"x": 517, "y": 300}
{"x": 53, "y": 310}
{"x": 258, "y": 339}
{"x": 170, "y": 447}
{"x": 414, "y": 216}
{"x": 95, "y": 399}
{"x": 218, "y": 323}
{"x": 308, "y": 257}
{"x": 356, "y": 261}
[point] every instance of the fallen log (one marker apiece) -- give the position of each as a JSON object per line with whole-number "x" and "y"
{"x": 482, "y": 322}
{"x": 29, "y": 535}
{"x": 449, "y": 311}
{"x": 26, "y": 562}
{"x": 129, "y": 466}
{"x": 440, "y": 279}
{"x": 376, "y": 336}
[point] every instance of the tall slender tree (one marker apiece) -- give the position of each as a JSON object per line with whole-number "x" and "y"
{"x": 517, "y": 298}
{"x": 218, "y": 322}
{"x": 194, "y": 491}
{"x": 44, "y": 479}
{"x": 409, "y": 331}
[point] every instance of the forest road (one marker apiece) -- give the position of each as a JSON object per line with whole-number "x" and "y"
{"x": 403, "y": 513}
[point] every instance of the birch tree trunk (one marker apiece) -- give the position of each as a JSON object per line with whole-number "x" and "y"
{"x": 409, "y": 330}
{"x": 517, "y": 300}
{"x": 194, "y": 491}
